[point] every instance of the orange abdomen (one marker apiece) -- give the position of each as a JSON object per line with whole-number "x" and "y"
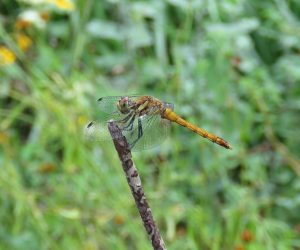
{"x": 172, "y": 116}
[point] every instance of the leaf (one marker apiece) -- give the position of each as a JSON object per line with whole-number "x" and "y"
{"x": 105, "y": 30}
{"x": 245, "y": 25}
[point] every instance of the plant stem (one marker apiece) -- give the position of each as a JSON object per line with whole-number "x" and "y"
{"x": 135, "y": 185}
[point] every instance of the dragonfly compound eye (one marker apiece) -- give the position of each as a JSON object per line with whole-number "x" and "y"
{"x": 123, "y": 106}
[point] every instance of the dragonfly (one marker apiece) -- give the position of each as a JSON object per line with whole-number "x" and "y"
{"x": 144, "y": 121}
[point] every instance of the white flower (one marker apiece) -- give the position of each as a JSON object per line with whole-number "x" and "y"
{"x": 34, "y": 17}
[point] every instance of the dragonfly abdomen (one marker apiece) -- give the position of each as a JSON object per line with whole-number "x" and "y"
{"x": 172, "y": 116}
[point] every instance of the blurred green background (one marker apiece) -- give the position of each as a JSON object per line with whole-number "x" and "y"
{"x": 231, "y": 66}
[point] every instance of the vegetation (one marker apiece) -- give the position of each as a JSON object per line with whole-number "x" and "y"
{"x": 231, "y": 66}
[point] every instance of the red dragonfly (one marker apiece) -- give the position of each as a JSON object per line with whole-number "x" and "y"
{"x": 144, "y": 121}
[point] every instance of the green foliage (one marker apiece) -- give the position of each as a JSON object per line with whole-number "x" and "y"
{"x": 232, "y": 67}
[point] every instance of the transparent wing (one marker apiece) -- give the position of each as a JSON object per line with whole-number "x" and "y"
{"x": 97, "y": 131}
{"x": 108, "y": 104}
{"x": 169, "y": 105}
{"x": 155, "y": 131}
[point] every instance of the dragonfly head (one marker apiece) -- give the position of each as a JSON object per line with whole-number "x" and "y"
{"x": 123, "y": 105}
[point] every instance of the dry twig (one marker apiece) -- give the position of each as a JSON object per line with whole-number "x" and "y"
{"x": 135, "y": 185}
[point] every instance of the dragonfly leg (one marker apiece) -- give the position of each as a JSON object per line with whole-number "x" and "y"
{"x": 125, "y": 119}
{"x": 140, "y": 133}
{"x": 140, "y": 128}
{"x": 129, "y": 125}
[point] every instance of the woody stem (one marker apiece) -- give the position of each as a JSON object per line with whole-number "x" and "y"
{"x": 135, "y": 185}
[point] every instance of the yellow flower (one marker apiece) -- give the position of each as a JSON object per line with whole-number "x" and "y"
{"x": 3, "y": 138}
{"x": 82, "y": 120}
{"x": 45, "y": 16}
{"x": 24, "y": 42}
{"x": 47, "y": 168}
{"x": 7, "y": 57}
{"x": 22, "y": 24}
{"x": 63, "y": 4}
